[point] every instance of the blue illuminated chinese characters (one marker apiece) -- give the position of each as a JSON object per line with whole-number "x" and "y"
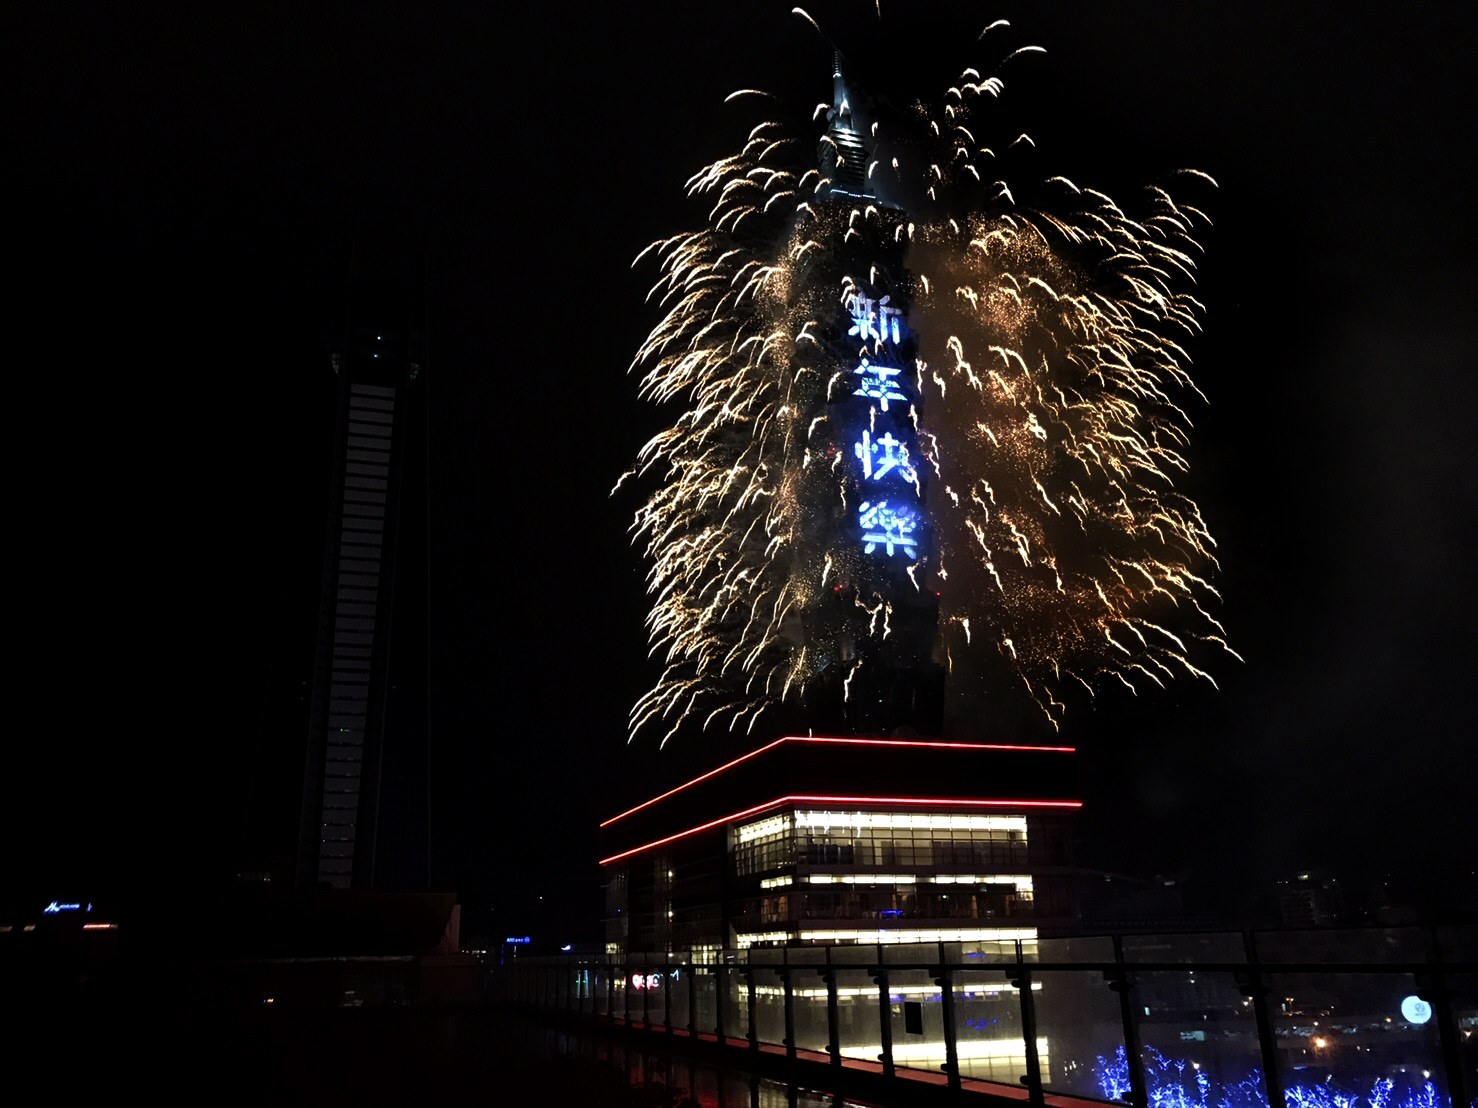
{"x": 877, "y": 382}
{"x": 873, "y": 319}
{"x": 894, "y": 456}
{"x": 884, "y": 442}
{"x": 888, "y": 527}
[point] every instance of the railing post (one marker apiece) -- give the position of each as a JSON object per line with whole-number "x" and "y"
{"x": 646, "y": 1000}
{"x": 692, "y": 998}
{"x": 610, "y": 989}
{"x": 945, "y": 980}
{"x": 1433, "y": 988}
{"x": 752, "y": 1032}
{"x": 667, "y": 993}
{"x": 789, "y": 987}
{"x": 885, "y": 1020}
{"x": 1032, "y": 1078}
{"x": 1251, "y": 985}
{"x": 721, "y": 993}
{"x": 833, "y": 1014}
{"x": 627, "y": 991}
{"x": 1119, "y": 982}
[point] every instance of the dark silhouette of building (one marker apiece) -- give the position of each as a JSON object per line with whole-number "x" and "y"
{"x": 1310, "y": 898}
{"x": 365, "y": 803}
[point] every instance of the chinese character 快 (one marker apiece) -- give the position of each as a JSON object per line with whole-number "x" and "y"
{"x": 894, "y": 456}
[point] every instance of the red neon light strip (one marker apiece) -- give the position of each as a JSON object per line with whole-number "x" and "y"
{"x": 937, "y": 800}
{"x": 694, "y": 781}
{"x": 843, "y": 800}
{"x": 693, "y": 830}
{"x": 815, "y": 739}
{"x": 928, "y": 742}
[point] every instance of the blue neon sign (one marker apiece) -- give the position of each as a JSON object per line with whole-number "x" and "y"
{"x": 878, "y": 383}
{"x": 876, "y": 466}
{"x": 888, "y": 527}
{"x": 873, "y": 319}
{"x": 884, "y": 442}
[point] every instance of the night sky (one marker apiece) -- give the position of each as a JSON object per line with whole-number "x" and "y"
{"x": 190, "y": 182}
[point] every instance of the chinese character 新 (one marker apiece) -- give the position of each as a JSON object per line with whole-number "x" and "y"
{"x": 873, "y": 319}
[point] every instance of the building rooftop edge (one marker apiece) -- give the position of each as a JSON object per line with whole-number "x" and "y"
{"x": 925, "y": 743}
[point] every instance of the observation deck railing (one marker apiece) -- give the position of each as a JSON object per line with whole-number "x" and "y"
{"x": 1368, "y": 1018}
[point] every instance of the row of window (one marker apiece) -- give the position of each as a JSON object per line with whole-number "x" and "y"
{"x": 984, "y": 853}
{"x": 883, "y": 905}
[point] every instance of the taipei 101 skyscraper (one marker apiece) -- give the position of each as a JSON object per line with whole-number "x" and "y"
{"x": 883, "y": 545}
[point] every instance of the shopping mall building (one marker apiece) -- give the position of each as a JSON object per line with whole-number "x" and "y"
{"x": 827, "y": 841}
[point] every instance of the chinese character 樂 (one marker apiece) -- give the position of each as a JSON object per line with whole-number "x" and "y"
{"x": 890, "y": 527}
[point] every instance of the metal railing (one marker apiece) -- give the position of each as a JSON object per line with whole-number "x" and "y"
{"x": 1135, "y": 1020}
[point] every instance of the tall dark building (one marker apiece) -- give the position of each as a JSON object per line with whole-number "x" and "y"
{"x": 365, "y": 801}
{"x": 894, "y": 681}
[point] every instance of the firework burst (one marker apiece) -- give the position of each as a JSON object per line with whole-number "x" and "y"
{"x": 1039, "y": 371}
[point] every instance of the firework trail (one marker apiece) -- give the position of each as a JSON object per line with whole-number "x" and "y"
{"x": 1042, "y": 371}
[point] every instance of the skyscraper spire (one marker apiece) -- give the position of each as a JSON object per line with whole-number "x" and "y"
{"x": 844, "y": 157}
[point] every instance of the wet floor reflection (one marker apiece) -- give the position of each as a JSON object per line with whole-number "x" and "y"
{"x": 668, "y": 1079}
